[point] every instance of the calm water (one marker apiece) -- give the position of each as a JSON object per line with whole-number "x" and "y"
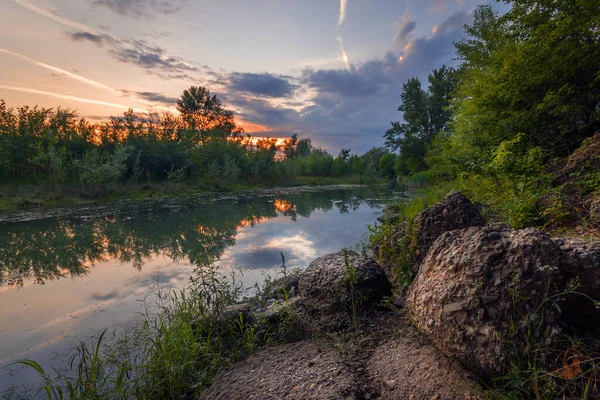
{"x": 69, "y": 274}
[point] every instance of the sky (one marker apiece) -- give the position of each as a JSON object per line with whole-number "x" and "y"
{"x": 330, "y": 70}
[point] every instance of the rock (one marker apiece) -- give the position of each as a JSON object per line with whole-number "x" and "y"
{"x": 232, "y": 313}
{"x": 409, "y": 241}
{"x": 496, "y": 275}
{"x": 327, "y": 296}
{"x": 580, "y": 261}
{"x": 580, "y": 258}
{"x": 302, "y": 370}
{"x": 455, "y": 211}
{"x": 289, "y": 282}
{"x": 404, "y": 368}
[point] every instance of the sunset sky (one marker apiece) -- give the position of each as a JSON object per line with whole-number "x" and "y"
{"x": 326, "y": 69}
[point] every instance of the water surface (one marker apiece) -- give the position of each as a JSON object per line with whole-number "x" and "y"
{"x": 69, "y": 274}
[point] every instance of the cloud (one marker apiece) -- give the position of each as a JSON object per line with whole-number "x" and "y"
{"x": 344, "y": 55}
{"x": 83, "y": 36}
{"x": 453, "y": 23}
{"x": 56, "y": 71}
{"x": 112, "y": 294}
{"x": 153, "y": 59}
{"x": 355, "y": 106}
{"x": 440, "y": 6}
{"x": 142, "y": 8}
{"x": 51, "y": 15}
{"x": 405, "y": 29}
{"x": 264, "y": 84}
{"x": 153, "y": 97}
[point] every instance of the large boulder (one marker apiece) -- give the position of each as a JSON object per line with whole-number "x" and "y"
{"x": 338, "y": 288}
{"x": 580, "y": 264}
{"x": 404, "y": 368}
{"x": 475, "y": 284}
{"x": 580, "y": 259}
{"x": 404, "y": 246}
{"x": 455, "y": 211}
{"x": 302, "y": 370}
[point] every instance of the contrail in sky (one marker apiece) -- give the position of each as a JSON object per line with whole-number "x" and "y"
{"x": 343, "y": 4}
{"x": 57, "y": 18}
{"x": 60, "y": 71}
{"x": 82, "y": 27}
{"x": 344, "y": 55}
{"x": 83, "y": 79}
{"x": 67, "y": 97}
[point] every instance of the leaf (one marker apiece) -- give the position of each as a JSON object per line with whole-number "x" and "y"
{"x": 571, "y": 365}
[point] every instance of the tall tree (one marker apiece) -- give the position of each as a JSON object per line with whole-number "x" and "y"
{"x": 204, "y": 114}
{"x": 425, "y": 114}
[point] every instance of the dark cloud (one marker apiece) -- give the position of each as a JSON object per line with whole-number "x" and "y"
{"x": 261, "y": 112}
{"x": 152, "y": 58}
{"x": 454, "y": 23}
{"x": 86, "y": 36}
{"x": 142, "y": 8}
{"x": 405, "y": 29}
{"x": 347, "y": 83}
{"x": 355, "y": 107}
{"x": 262, "y": 84}
{"x": 152, "y": 96}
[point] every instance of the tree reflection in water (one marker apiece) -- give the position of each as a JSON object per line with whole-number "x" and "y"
{"x": 52, "y": 248}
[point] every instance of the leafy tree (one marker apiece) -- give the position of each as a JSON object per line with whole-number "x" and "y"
{"x": 204, "y": 114}
{"x": 532, "y": 73}
{"x": 304, "y": 147}
{"x": 344, "y": 154}
{"x": 425, "y": 114}
{"x": 289, "y": 147}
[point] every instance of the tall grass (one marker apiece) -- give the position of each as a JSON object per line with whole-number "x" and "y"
{"x": 186, "y": 337}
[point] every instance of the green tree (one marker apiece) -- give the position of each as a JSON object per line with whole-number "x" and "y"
{"x": 532, "y": 73}
{"x": 205, "y": 115}
{"x": 425, "y": 114}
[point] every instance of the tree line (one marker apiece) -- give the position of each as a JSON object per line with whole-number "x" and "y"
{"x": 201, "y": 145}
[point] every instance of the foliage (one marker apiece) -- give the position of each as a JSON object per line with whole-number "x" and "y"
{"x": 545, "y": 364}
{"x": 202, "y": 147}
{"x": 425, "y": 115}
{"x": 95, "y": 169}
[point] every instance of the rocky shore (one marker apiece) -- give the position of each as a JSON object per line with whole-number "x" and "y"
{"x": 485, "y": 300}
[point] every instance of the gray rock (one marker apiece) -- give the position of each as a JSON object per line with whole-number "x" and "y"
{"x": 413, "y": 238}
{"x": 473, "y": 283}
{"x": 580, "y": 258}
{"x": 275, "y": 290}
{"x": 405, "y": 368}
{"x": 580, "y": 261}
{"x": 455, "y": 211}
{"x": 328, "y": 299}
{"x": 303, "y": 370}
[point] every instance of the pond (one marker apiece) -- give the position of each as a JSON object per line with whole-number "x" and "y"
{"x": 69, "y": 274}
